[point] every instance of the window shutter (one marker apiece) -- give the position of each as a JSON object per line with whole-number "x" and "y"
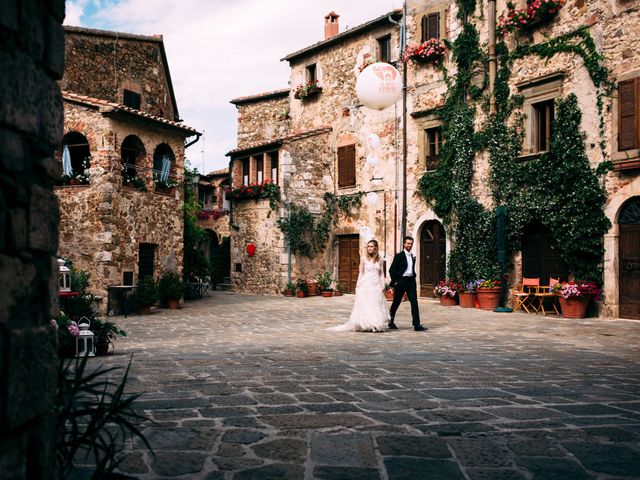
{"x": 433, "y": 26}
{"x": 347, "y": 166}
{"x": 628, "y": 108}
{"x": 423, "y": 28}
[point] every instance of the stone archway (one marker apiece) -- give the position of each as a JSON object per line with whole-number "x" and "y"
{"x": 629, "y": 258}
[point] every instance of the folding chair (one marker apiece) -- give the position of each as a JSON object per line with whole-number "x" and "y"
{"x": 523, "y": 294}
{"x": 545, "y": 293}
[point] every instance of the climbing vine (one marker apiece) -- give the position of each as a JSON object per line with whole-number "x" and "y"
{"x": 559, "y": 188}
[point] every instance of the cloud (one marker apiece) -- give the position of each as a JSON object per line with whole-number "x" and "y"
{"x": 218, "y": 50}
{"x": 74, "y": 10}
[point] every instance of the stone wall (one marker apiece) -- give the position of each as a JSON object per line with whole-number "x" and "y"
{"x": 31, "y": 60}
{"x": 103, "y": 223}
{"x": 263, "y": 121}
{"x": 103, "y": 64}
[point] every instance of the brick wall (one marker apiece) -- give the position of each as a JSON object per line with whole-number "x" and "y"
{"x": 31, "y": 60}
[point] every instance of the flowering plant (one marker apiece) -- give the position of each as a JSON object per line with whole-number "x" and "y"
{"x": 213, "y": 214}
{"x": 306, "y": 89}
{"x": 488, "y": 283}
{"x": 537, "y": 10}
{"x": 447, "y": 288}
{"x": 265, "y": 189}
{"x": 579, "y": 288}
{"x": 472, "y": 285}
{"x": 430, "y": 51}
{"x": 165, "y": 184}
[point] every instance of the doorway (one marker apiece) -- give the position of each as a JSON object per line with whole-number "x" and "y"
{"x": 629, "y": 259}
{"x": 348, "y": 261}
{"x": 433, "y": 257}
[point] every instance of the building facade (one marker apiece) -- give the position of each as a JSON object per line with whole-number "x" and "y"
{"x": 122, "y": 154}
{"x": 576, "y": 50}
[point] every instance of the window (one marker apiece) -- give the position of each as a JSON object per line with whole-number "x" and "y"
{"x": 274, "y": 166}
{"x": 543, "y": 114}
{"x": 432, "y": 144}
{"x": 146, "y": 259}
{"x": 131, "y": 99}
{"x": 245, "y": 171}
{"x": 311, "y": 73}
{"x": 384, "y": 49}
{"x": 260, "y": 168}
{"x": 347, "y": 166}
{"x": 628, "y": 111}
{"x": 430, "y": 27}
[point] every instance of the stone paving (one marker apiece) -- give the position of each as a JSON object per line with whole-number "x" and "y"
{"x": 245, "y": 387}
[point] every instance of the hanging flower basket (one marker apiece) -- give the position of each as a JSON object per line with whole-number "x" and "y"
{"x": 431, "y": 52}
{"x": 467, "y": 299}
{"x": 536, "y": 13}
{"x": 489, "y": 298}
{"x": 574, "y": 307}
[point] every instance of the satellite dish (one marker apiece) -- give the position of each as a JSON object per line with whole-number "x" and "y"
{"x": 379, "y": 86}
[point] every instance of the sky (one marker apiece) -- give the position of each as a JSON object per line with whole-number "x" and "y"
{"x": 220, "y": 49}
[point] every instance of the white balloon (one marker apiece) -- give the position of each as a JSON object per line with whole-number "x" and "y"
{"x": 372, "y": 198}
{"x": 374, "y": 140}
{"x": 327, "y": 181}
{"x": 373, "y": 160}
{"x": 379, "y": 86}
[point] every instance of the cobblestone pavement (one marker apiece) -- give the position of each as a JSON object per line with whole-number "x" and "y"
{"x": 251, "y": 387}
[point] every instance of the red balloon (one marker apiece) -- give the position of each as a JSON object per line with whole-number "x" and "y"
{"x": 251, "y": 249}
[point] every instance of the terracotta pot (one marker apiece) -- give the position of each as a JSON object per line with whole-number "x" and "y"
{"x": 327, "y": 294}
{"x": 388, "y": 294}
{"x": 144, "y": 310}
{"x": 173, "y": 303}
{"x": 574, "y": 307}
{"x": 300, "y": 294}
{"x": 288, "y": 292}
{"x": 447, "y": 301}
{"x": 313, "y": 288}
{"x": 489, "y": 298}
{"x": 337, "y": 293}
{"x": 467, "y": 299}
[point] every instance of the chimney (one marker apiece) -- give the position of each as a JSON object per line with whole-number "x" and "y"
{"x": 331, "y": 28}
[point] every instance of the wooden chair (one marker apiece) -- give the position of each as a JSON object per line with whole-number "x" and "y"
{"x": 544, "y": 293}
{"x": 523, "y": 295}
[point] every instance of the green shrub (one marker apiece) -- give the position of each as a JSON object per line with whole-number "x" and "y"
{"x": 171, "y": 287}
{"x": 146, "y": 293}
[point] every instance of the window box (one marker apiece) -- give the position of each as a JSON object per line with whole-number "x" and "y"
{"x": 535, "y": 14}
{"x": 431, "y": 51}
{"x": 308, "y": 90}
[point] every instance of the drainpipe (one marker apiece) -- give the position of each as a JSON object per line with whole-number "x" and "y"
{"x": 403, "y": 41}
{"x": 491, "y": 19}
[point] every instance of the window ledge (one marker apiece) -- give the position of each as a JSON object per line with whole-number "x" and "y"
{"x": 525, "y": 157}
{"x": 84, "y": 185}
{"x": 627, "y": 164}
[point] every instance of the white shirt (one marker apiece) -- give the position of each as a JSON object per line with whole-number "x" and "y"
{"x": 409, "y": 271}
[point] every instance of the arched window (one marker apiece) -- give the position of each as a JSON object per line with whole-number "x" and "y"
{"x": 76, "y": 158}
{"x": 132, "y": 153}
{"x": 163, "y": 167}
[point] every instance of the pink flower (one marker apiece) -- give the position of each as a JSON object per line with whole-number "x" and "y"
{"x": 73, "y": 329}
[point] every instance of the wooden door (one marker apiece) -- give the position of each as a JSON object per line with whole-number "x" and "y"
{"x": 433, "y": 257}
{"x": 629, "y": 258}
{"x": 540, "y": 255}
{"x": 349, "y": 261}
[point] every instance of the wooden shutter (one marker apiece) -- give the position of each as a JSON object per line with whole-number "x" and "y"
{"x": 628, "y": 121}
{"x": 347, "y": 166}
{"x": 433, "y": 26}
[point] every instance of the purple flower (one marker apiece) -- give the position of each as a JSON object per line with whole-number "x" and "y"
{"x": 73, "y": 329}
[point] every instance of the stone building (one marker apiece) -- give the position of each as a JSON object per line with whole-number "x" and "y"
{"x": 212, "y": 190}
{"x": 123, "y": 159}
{"x": 31, "y": 61}
{"x": 581, "y": 49}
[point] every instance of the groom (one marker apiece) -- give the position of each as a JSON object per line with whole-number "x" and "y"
{"x": 403, "y": 279}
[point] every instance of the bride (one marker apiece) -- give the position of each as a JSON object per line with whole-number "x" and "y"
{"x": 370, "y": 313}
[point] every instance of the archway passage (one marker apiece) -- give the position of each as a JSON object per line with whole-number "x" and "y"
{"x": 629, "y": 259}
{"x": 540, "y": 255}
{"x": 433, "y": 257}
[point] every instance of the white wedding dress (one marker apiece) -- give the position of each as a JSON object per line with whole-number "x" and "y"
{"x": 370, "y": 313}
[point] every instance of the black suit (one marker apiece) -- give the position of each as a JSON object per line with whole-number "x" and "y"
{"x": 404, "y": 285}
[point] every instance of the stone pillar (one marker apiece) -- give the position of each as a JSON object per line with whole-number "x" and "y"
{"x": 611, "y": 294}
{"x": 31, "y": 60}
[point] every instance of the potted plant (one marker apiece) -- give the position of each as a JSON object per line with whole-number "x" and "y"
{"x": 447, "y": 291}
{"x": 468, "y": 294}
{"x": 488, "y": 292}
{"x": 388, "y": 292}
{"x": 105, "y": 334}
{"x": 338, "y": 289}
{"x": 535, "y": 13}
{"x": 575, "y": 297}
{"x": 302, "y": 288}
{"x": 312, "y": 287}
{"x": 171, "y": 289}
{"x": 306, "y": 90}
{"x": 324, "y": 283}
{"x": 289, "y": 289}
{"x": 430, "y": 51}
{"x": 146, "y": 294}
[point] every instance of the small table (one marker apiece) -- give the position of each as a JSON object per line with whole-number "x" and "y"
{"x": 123, "y": 289}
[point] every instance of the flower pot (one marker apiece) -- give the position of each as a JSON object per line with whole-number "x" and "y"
{"x": 447, "y": 301}
{"x": 102, "y": 349}
{"x": 467, "y": 299}
{"x": 173, "y": 303}
{"x": 388, "y": 294}
{"x": 300, "y": 294}
{"x": 288, "y": 292}
{"x": 312, "y": 288}
{"x": 337, "y": 293}
{"x": 574, "y": 307}
{"x": 489, "y": 298}
{"x": 144, "y": 310}
{"x": 327, "y": 294}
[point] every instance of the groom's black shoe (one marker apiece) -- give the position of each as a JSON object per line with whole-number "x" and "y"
{"x": 392, "y": 326}
{"x": 420, "y": 328}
